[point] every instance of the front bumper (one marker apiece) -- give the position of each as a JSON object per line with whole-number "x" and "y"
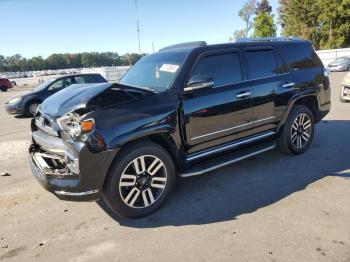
{"x": 68, "y": 169}
{"x": 339, "y": 68}
{"x": 14, "y": 109}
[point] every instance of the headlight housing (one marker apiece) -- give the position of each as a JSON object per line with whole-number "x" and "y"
{"x": 14, "y": 100}
{"x": 74, "y": 126}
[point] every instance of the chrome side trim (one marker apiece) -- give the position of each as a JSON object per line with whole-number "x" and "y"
{"x": 231, "y": 128}
{"x": 64, "y": 193}
{"x": 200, "y": 172}
{"x": 264, "y": 119}
{"x": 220, "y": 149}
{"x": 288, "y": 85}
{"x": 248, "y": 80}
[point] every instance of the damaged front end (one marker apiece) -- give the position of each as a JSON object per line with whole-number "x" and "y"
{"x": 69, "y": 155}
{"x": 63, "y": 162}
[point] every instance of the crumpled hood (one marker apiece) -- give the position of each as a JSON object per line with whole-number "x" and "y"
{"x": 71, "y": 98}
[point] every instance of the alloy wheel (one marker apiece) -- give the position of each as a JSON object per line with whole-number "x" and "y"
{"x": 301, "y": 130}
{"x": 143, "y": 181}
{"x": 33, "y": 109}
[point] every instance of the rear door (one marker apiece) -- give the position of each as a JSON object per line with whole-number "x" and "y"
{"x": 269, "y": 80}
{"x": 223, "y": 113}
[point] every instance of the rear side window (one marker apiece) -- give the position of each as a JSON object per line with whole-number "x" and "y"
{"x": 87, "y": 79}
{"x": 261, "y": 63}
{"x": 224, "y": 68}
{"x": 94, "y": 79}
{"x": 300, "y": 56}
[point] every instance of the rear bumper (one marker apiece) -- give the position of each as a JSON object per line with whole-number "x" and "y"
{"x": 74, "y": 174}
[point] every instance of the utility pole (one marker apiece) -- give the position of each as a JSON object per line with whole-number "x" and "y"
{"x": 138, "y": 26}
{"x": 153, "y": 46}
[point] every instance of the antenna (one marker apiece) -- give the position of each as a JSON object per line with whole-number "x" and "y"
{"x": 138, "y": 26}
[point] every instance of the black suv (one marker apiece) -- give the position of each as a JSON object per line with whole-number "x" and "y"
{"x": 28, "y": 103}
{"x": 183, "y": 111}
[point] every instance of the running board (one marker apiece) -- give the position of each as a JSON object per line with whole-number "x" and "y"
{"x": 228, "y": 159}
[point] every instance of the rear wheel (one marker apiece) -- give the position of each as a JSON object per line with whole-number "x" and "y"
{"x": 139, "y": 180}
{"x": 3, "y": 88}
{"x": 297, "y": 133}
{"x": 32, "y": 108}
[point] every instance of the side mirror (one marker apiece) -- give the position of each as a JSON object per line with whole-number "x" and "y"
{"x": 199, "y": 82}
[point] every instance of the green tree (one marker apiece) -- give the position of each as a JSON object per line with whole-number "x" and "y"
{"x": 130, "y": 59}
{"x": 246, "y": 13}
{"x": 264, "y": 25}
{"x": 326, "y": 23}
{"x": 237, "y": 34}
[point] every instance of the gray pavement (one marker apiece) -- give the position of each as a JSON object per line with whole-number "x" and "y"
{"x": 269, "y": 208}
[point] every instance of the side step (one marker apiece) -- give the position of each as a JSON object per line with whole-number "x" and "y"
{"x": 228, "y": 159}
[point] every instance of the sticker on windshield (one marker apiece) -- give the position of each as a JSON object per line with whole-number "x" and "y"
{"x": 169, "y": 68}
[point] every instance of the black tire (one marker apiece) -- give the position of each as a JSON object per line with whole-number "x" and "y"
{"x": 14, "y": 83}
{"x": 29, "y": 111}
{"x": 3, "y": 88}
{"x": 113, "y": 191}
{"x": 286, "y": 143}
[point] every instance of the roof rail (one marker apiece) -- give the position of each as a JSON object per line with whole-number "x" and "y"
{"x": 267, "y": 39}
{"x": 189, "y": 45}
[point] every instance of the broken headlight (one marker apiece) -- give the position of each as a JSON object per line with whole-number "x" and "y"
{"x": 76, "y": 128}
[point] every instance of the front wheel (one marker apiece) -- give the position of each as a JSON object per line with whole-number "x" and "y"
{"x": 296, "y": 135}
{"x": 32, "y": 109}
{"x": 139, "y": 180}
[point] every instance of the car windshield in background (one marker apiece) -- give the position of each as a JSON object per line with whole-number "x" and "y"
{"x": 155, "y": 72}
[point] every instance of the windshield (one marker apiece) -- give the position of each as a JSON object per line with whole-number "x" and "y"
{"x": 43, "y": 85}
{"x": 155, "y": 72}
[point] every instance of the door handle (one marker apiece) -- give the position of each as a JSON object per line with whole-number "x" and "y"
{"x": 288, "y": 85}
{"x": 244, "y": 94}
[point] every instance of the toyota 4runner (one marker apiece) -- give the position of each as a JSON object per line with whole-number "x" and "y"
{"x": 183, "y": 111}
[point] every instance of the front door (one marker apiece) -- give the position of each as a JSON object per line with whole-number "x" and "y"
{"x": 222, "y": 113}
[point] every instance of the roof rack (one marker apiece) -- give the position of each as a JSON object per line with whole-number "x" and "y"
{"x": 267, "y": 39}
{"x": 189, "y": 45}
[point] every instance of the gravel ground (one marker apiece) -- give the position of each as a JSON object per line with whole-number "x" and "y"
{"x": 269, "y": 208}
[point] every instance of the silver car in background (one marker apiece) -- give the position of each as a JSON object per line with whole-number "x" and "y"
{"x": 340, "y": 64}
{"x": 345, "y": 91}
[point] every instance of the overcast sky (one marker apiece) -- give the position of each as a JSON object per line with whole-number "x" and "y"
{"x": 43, "y": 27}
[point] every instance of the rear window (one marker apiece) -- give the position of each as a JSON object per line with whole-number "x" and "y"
{"x": 299, "y": 56}
{"x": 261, "y": 63}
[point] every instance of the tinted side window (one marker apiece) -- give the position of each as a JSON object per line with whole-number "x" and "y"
{"x": 93, "y": 79}
{"x": 300, "y": 56}
{"x": 224, "y": 68}
{"x": 261, "y": 63}
{"x": 60, "y": 84}
{"x": 79, "y": 80}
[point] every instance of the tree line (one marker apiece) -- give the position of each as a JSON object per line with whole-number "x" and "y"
{"x": 65, "y": 61}
{"x": 325, "y": 23}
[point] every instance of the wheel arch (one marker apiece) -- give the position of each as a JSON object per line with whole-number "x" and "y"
{"x": 309, "y": 100}
{"x": 162, "y": 139}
